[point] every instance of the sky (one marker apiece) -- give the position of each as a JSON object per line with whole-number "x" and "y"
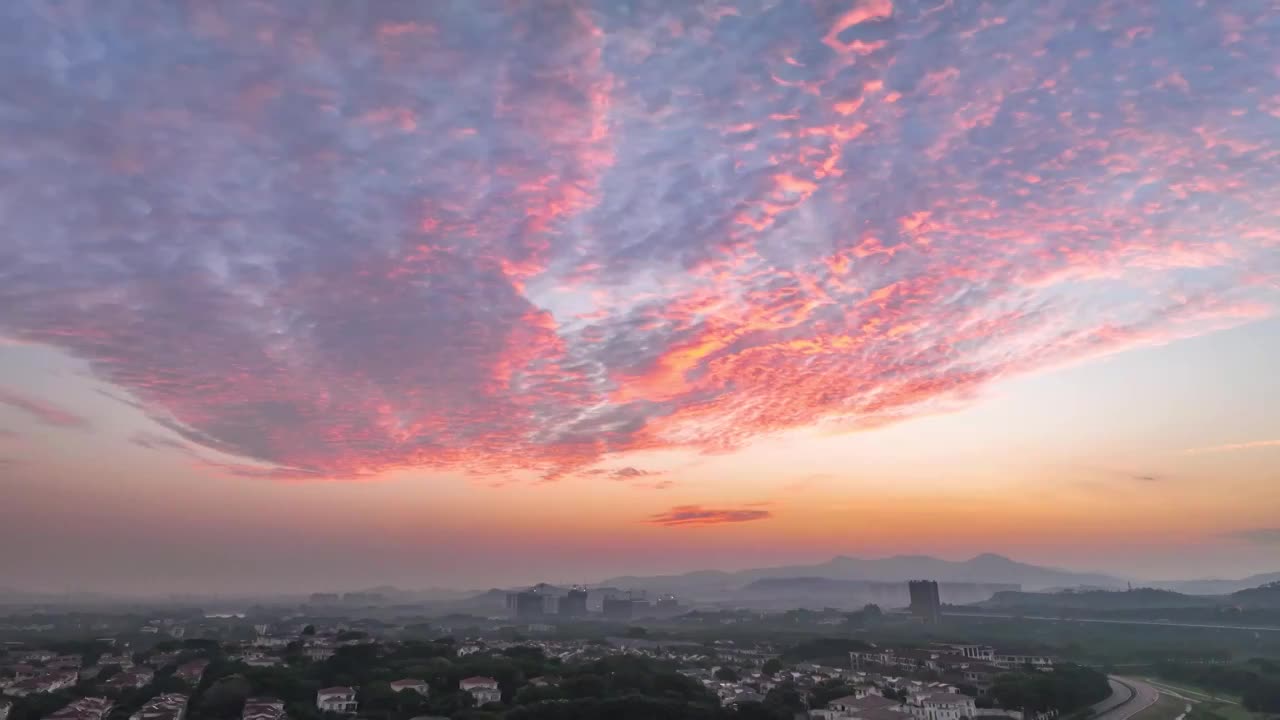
{"x": 303, "y": 295}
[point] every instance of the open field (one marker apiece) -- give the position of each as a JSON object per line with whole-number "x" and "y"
{"x": 1192, "y": 692}
{"x": 1167, "y": 707}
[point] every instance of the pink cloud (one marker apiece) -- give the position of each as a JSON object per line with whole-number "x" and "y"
{"x": 682, "y": 515}
{"x": 44, "y": 411}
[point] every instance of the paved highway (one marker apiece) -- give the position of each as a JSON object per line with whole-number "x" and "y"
{"x": 1128, "y": 698}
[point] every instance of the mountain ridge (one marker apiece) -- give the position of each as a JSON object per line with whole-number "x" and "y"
{"x": 985, "y": 568}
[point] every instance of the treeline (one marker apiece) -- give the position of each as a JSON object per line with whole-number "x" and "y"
{"x": 1066, "y": 688}
{"x": 1256, "y": 682}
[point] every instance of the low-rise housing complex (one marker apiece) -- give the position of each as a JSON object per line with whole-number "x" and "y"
{"x": 131, "y": 679}
{"x": 942, "y": 706}
{"x": 263, "y": 708}
{"x": 483, "y": 689}
{"x": 89, "y": 708}
{"x": 337, "y": 699}
{"x": 418, "y": 686}
{"x": 172, "y": 706}
{"x": 192, "y": 671}
{"x": 45, "y": 682}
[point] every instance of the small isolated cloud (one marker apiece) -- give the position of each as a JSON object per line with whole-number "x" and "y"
{"x": 44, "y": 411}
{"x": 622, "y": 473}
{"x": 1260, "y": 536}
{"x": 1230, "y": 447}
{"x": 698, "y": 515}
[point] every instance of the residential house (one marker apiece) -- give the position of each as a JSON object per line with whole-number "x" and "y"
{"x": 745, "y": 697}
{"x": 975, "y": 652}
{"x": 879, "y": 656}
{"x": 172, "y": 706}
{"x": 257, "y": 659}
{"x": 319, "y": 650}
{"x": 483, "y": 689}
{"x": 272, "y": 641}
{"x": 263, "y": 708}
{"x": 337, "y": 699}
{"x": 89, "y": 708}
{"x": 131, "y": 679}
{"x": 162, "y": 659}
{"x": 418, "y": 686}
{"x": 858, "y": 704}
{"x": 1015, "y": 660}
{"x": 43, "y": 683}
{"x": 943, "y": 706}
{"x": 124, "y": 662}
{"x": 191, "y": 672}
{"x": 65, "y": 662}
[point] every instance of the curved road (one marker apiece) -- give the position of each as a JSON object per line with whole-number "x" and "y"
{"x": 1128, "y": 698}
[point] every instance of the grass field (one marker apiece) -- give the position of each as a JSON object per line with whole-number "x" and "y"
{"x": 1193, "y": 692}
{"x": 1167, "y": 707}
{"x": 1207, "y": 703}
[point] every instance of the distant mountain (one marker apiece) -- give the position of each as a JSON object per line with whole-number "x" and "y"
{"x": 1217, "y": 586}
{"x": 700, "y": 582}
{"x": 1265, "y": 596}
{"x": 1140, "y": 599}
{"x": 985, "y": 569}
{"x": 815, "y": 592}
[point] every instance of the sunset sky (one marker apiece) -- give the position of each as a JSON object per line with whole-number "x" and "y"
{"x": 302, "y": 295}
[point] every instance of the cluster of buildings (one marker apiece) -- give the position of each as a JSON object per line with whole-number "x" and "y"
{"x": 343, "y": 700}
{"x": 975, "y": 666}
{"x": 263, "y": 708}
{"x": 162, "y": 707}
{"x": 39, "y": 671}
{"x": 31, "y": 681}
{"x": 544, "y": 602}
{"x": 89, "y": 708}
{"x": 172, "y": 706}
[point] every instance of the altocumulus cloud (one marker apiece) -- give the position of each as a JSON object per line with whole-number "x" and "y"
{"x": 521, "y": 239}
{"x": 698, "y": 515}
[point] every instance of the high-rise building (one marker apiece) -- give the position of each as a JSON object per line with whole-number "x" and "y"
{"x": 526, "y": 605}
{"x": 616, "y": 608}
{"x": 925, "y": 601}
{"x": 574, "y": 604}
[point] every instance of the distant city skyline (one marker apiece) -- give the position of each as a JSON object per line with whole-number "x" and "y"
{"x": 474, "y": 294}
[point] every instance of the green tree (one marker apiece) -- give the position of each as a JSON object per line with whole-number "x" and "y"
{"x": 225, "y": 698}
{"x": 771, "y": 666}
